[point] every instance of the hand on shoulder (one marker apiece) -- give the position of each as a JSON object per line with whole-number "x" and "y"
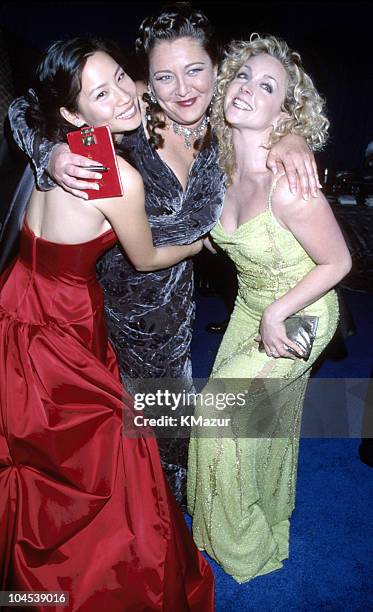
{"x": 289, "y": 207}
{"x": 314, "y": 226}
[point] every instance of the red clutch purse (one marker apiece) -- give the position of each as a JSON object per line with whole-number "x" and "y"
{"x": 97, "y": 144}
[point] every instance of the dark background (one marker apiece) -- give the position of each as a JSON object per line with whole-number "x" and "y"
{"x": 334, "y": 38}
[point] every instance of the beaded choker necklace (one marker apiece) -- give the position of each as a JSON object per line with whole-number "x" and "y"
{"x": 190, "y": 134}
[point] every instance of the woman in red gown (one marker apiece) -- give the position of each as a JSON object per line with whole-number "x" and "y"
{"x": 84, "y": 508}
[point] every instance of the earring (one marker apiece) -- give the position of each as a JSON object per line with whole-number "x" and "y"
{"x": 152, "y": 97}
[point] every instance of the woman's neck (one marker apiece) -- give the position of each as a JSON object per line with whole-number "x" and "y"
{"x": 251, "y": 152}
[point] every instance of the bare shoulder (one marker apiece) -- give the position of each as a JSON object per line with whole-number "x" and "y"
{"x": 133, "y": 189}
{"x": 286, "y": 205}
{"x": 131, "y": 178}
{"x": 282, "y": 197}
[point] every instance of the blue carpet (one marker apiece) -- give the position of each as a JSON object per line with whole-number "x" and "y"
{"x": 331, "y": 546}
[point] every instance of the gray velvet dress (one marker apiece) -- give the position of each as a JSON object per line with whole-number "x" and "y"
{"x": 150, "y": 314}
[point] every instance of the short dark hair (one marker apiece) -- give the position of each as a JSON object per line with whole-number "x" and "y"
{"x": 58, "y": 83}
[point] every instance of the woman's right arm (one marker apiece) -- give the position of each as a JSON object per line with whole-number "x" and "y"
{"x": 317, "y": 231}
{"x": 128, "y": 218}
{"x": 53, "y": 163}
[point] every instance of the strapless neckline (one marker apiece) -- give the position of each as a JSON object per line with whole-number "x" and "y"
{"x": 66, "y": 244}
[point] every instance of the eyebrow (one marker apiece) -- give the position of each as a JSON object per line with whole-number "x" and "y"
{"x": 118, "y": 69}
{"x": 265, "y": 76}
{"x": 187, "y": 66}
{"x": 268, "y": 76}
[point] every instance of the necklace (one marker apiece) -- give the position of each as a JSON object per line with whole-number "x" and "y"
{"x": 190, "y": 134}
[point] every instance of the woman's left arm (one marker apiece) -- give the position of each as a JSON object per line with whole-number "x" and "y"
{"x": 317, "y": 230}
{"x": 298, "y": 162}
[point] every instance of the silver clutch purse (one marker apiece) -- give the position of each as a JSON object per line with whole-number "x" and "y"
{"x": 301, "y": 329}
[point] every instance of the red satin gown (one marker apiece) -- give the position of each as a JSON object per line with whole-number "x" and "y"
{"x": 83, "y": 508}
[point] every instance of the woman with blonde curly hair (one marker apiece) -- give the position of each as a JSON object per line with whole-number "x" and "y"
{"x": 289, "y": 255}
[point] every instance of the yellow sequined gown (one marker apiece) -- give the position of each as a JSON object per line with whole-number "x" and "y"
{"x": 241, "y": 489}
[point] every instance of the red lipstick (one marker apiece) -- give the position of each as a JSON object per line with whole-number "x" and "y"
{"x": 187, "y": 103}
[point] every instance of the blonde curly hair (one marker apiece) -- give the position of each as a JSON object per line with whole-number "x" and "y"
{"x": 303, "y": 104}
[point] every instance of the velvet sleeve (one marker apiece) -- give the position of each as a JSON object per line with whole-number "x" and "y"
{"x": 36, "y": 148}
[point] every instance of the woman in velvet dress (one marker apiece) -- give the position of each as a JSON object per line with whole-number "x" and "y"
{"x": 84, "y": 507}
{"x": 150, "y": 315}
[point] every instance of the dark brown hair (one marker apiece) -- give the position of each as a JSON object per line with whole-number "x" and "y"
{"x": 179, "y": 20}
{"x": 58, "y": 83}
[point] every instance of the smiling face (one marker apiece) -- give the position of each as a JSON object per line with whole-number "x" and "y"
{"x": 255, "y": 96}
{"x": 107, "y": 96}
{"x": 182, "y": 77}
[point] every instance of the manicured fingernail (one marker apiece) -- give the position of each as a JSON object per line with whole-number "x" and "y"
{"x": 274, "y": 169}
{"x": 293, "y": 189}
{"x": 319, "y": 185}
{"x": 305, "y": 196}
{"x": 95, "y": 186}
{"x": 98, "y": 176}
{"x": 85, "y": 196}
